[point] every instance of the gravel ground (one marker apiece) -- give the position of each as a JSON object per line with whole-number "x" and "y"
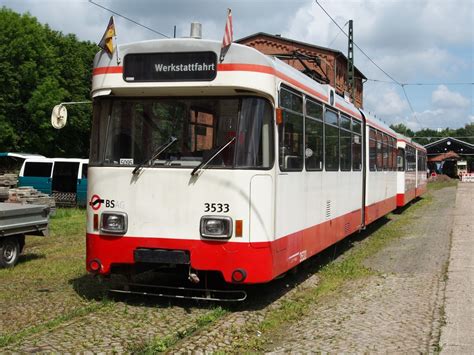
{"x": 118, "y": 328}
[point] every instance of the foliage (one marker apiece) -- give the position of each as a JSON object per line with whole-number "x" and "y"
{"x": 40, "y": 68}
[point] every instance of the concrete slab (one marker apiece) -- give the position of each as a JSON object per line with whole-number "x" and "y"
{"x": 457, "y": 335}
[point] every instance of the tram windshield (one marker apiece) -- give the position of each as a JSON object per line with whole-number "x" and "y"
{"x": 130, "y": 131}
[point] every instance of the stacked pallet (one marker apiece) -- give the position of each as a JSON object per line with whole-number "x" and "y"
{"x": 7, "y": 181}
{"x": 31, "y": 196}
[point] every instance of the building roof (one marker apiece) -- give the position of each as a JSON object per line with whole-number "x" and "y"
{"x": 299, "y": 43}
{"x": 445, "y": 156}
{"x": 446, "y": 144}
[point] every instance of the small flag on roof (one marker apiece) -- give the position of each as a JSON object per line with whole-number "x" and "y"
{"x": 228, "y": 35}
{"x": 106, "y": 43}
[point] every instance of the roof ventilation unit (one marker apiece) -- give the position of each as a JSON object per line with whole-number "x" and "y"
{"x": 196, "y": 30}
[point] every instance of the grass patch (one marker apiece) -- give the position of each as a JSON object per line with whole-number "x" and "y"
{"x": 441, "y": 184}
{"x": 163, "y": 344}
{"x": 332, "y": 276}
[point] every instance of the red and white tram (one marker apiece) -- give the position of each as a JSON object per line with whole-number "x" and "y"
{"x": 411, "y": 166}
{"x": 245, "y": 167}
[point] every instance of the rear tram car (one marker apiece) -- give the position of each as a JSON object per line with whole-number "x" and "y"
{"x": 244, "y": 167}
{"x": 411, "y": 167}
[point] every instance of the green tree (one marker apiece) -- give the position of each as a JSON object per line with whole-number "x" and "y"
{"x": 402, "y": 129}
{"x": 40, "y": 68}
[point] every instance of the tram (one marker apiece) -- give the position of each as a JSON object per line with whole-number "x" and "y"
{"x": 244, "y": 167}
{"x": 411, "y": 167}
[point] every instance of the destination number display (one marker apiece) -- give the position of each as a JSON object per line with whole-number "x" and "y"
{"x": 190, "y": 66}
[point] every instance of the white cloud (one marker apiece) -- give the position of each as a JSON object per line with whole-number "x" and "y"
{"x": 385, "y": 102}
{"x": 444, "y": 98}
{"x": 406, "y": 38}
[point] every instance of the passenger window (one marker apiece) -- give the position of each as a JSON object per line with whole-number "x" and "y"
{"x": 356, "y": 152}
{"x": 379, "y": 152}
{"x": 401, "y": 159}
{"x": 346, "y": 149}
{"x": 345, "y": 122}
{"x": 314, "y": 110}
{"x": 291, "y": 131}
{"x": 356, "y": 127}
{"x": 372, "y": 150}
{"x": 314, "y": 144}
{"x": 394, "y": 154}
{"x": 291, "y": 101}
{"x": 331, "y": 141}
{"x": 385, "y": 151}
{"x": 291, "y": 142}
{"x": 314, "y": 136}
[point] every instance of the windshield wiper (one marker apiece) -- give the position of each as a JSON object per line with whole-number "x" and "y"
{"x": 205, "y": 162}
{"x": 159, "y": 150}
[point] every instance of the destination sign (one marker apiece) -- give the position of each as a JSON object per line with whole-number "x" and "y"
{"x": 190, "y": 66}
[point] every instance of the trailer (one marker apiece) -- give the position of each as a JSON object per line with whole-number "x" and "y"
{"x": 16, "y": 221}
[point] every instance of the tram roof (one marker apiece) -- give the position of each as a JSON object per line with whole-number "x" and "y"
{"x": 240, "y": 54}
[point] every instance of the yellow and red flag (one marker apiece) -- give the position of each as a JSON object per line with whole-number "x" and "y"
{"x": 106, "y": 43}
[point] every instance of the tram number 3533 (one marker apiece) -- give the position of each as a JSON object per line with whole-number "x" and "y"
{"x": 216, "y": 207}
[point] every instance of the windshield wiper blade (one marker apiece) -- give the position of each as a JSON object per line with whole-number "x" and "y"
{"x": 204, "y": 163}
{"x": 159, "y": 150}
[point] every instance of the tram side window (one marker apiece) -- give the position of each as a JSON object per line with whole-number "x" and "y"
{"x": 291, "y": 131}
{"x": 356, "y": 152}
{"x": 379, "y": 152}
{"x": 314, "y": 136}
{"x": 331, "y": 141}
{"x": 421, "y": 164}
{"x": 401, "y": 159}
{"x": 394, "y": 154}
{"x": 372, "y": 150}
{"x": 410, "y": 159}
{"x": 346, "y": 144}
{"x": 385, "y": 151}
{"x": 356, "y": 146}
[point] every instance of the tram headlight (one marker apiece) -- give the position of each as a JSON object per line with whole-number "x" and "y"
{"x": 114, "y": 222}
{"x": 217, "y": 227}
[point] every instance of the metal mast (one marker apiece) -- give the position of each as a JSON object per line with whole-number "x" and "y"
{"x": 350, "y": 61}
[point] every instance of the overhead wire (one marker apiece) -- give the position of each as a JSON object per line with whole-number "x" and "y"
{"x": 337, "y": 35}
{"x": 416, "y": 84}
{"x": 129, "y": 19}
{"x": 373, "y": 62}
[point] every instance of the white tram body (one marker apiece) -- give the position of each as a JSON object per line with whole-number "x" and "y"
{"x": 296, "y": 168}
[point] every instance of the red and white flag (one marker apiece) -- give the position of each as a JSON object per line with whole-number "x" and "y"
{"x": 228, "y": 35}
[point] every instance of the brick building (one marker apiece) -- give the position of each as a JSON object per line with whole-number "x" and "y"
{"x": 324, "y": 64}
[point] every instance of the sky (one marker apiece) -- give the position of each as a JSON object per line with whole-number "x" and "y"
{"x": 413, "y": 41}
